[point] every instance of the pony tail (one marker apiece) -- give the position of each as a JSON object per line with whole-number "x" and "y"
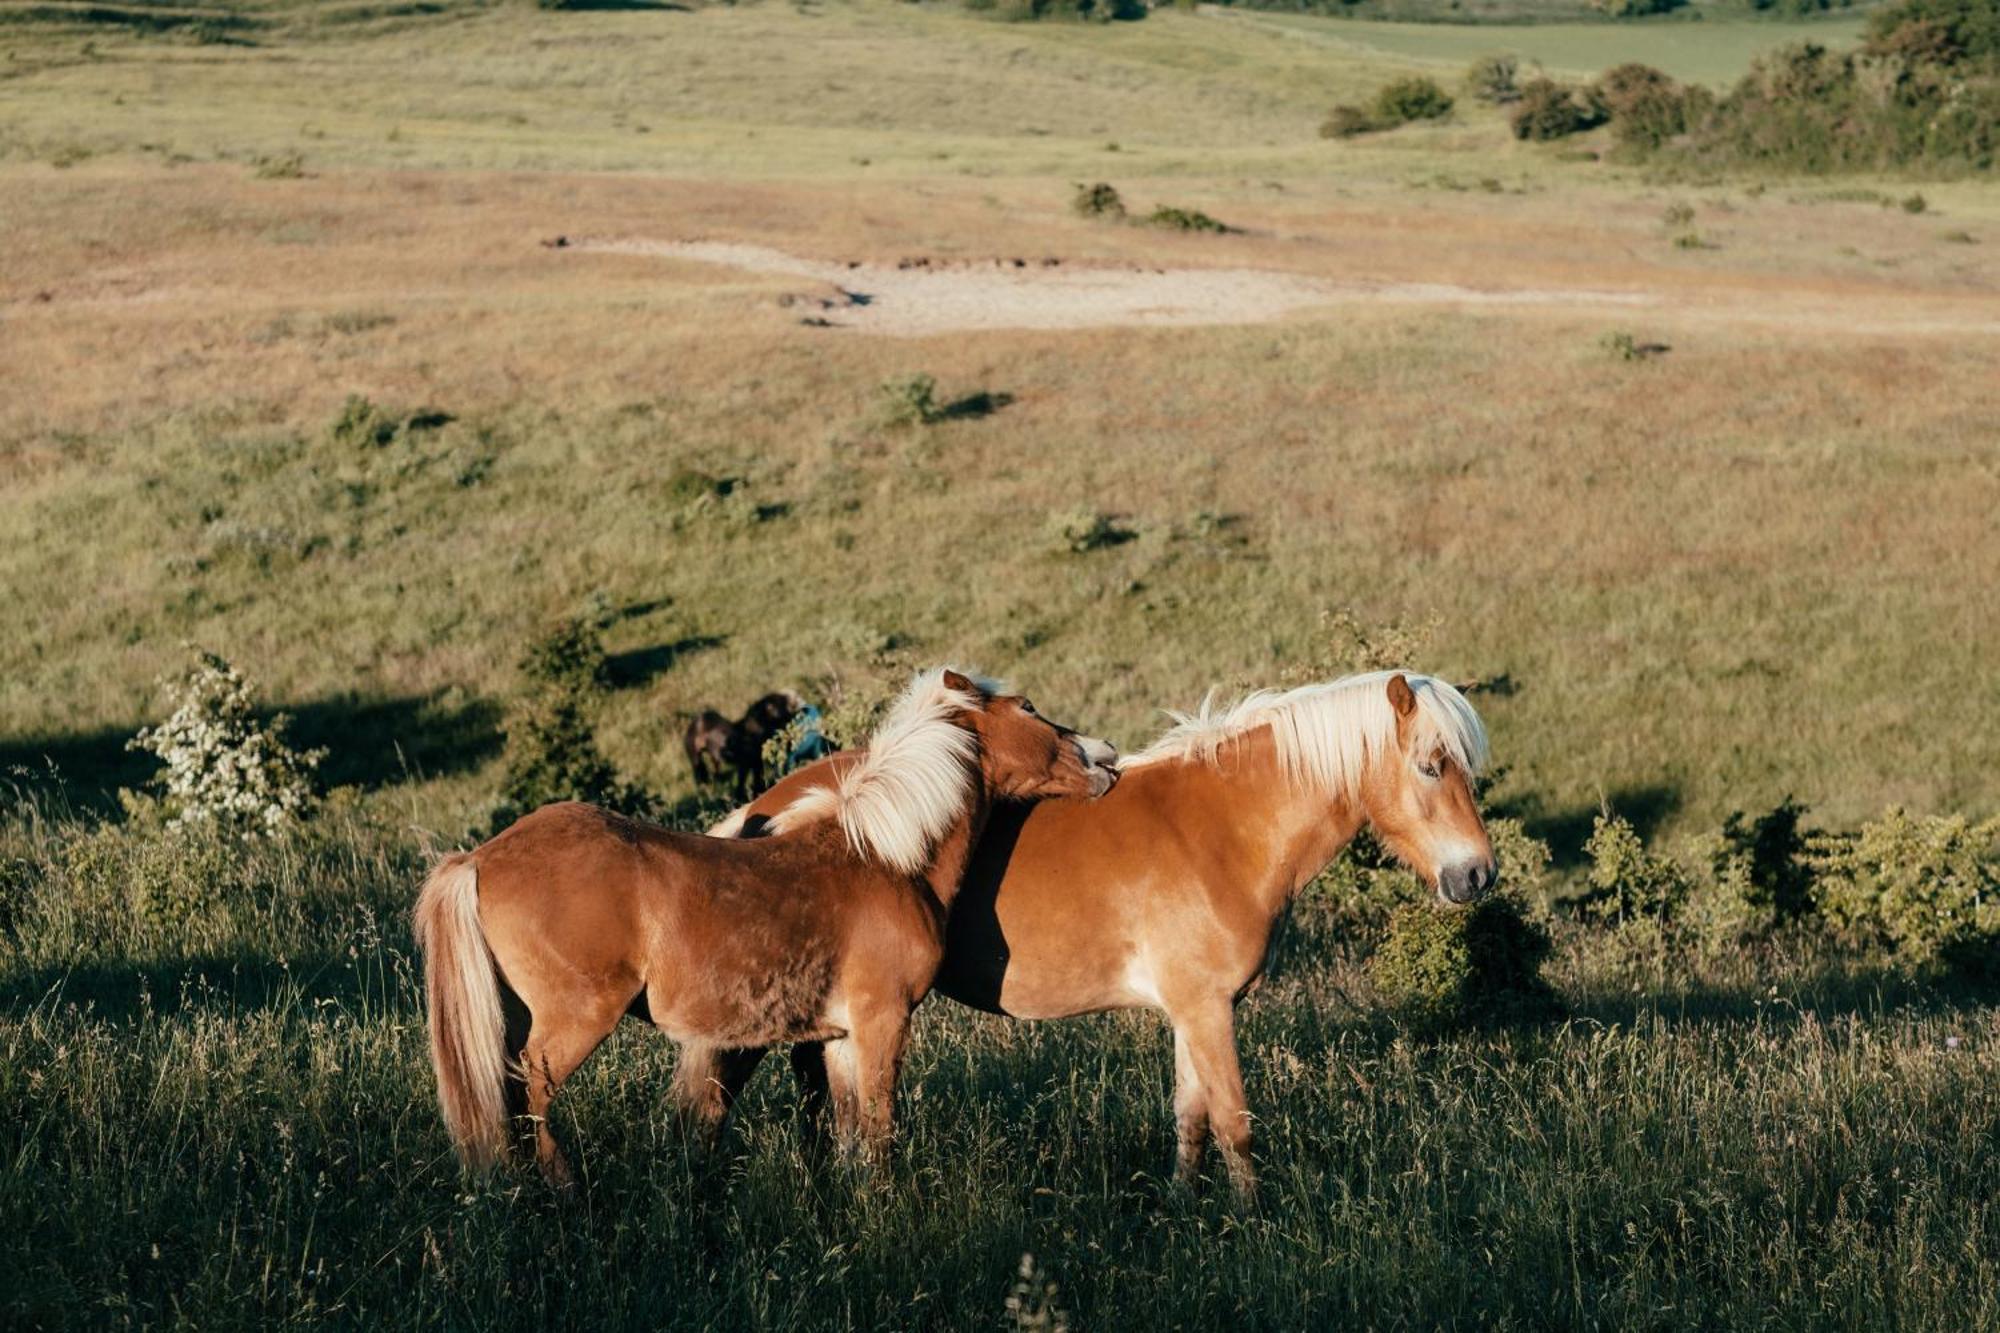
{"x": 462, "y": 1001}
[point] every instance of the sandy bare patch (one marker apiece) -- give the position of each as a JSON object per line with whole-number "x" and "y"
{"x": 918, "y": 297}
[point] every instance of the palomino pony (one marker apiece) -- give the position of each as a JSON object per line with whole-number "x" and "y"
{"x": 1166, "y": 894}
{"x": 828, "y": 930}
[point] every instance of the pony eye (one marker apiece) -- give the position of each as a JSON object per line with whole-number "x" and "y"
{"x": 1430, "y": 768}
{"x": 1028, "y": 708}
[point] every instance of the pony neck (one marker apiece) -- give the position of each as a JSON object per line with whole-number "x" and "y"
{"x": 1287, "y": 831}
{"x": 952, "y": 857}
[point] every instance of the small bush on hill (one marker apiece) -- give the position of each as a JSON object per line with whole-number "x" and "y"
{"x": 1098, "y": 201}
{"x": 1494, "y": 79}
{"x": 226, "y": 767}
{"x": 910, "y": 400}
{"x": 1547, "y": 110}
{"x": 1414, "y": 98}
{"x": 1184, "y": 219}
{"x": 1770, "y": 851}
{"x": 361, "y": 423}
{"x": 1089, "y": 11}
{"x": 1627, "y": 881}
{"x": 1345, "y": 122}
{"x": 1078, "y": 531}
{"x": 1439, "y": 969}
{"x": 1631, "y": 9}
{"x": 551, "y": 752}
{"x": 1926, "y": 888}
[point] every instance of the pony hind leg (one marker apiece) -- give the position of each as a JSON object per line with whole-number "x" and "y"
{"x": 809, "y": 1069}
{"x": 553, "y": 1050}
{"x": 707, "y": 1082}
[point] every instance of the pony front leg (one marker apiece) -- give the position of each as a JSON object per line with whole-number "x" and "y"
{"x": 1207, "y": 1029}
{"x": 862, "y": 1069}
{"x": 1190, "y": 1114}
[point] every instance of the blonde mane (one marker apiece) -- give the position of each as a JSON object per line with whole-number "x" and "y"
{"x": 1327, "y": 733}
{"x": 912, "y": 784}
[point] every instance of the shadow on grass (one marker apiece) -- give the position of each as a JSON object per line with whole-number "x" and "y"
{"x": 636, "y": 666}
{"x": 974, "y": 406}
{"x": 119, "y": 992}
{"x": 370, "y": 742}
{"x": 1566, "y": 831}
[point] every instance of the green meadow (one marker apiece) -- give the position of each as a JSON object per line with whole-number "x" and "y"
{"x": 347, "y": 342}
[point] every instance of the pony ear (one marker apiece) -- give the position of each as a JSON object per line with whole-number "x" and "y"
{"x": 1401, "y": 697}
{"x": 961, "y": 684}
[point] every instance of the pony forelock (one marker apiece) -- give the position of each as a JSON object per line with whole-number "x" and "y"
{"x": 1327, "y": 734}
{"x": 913, "y": 782}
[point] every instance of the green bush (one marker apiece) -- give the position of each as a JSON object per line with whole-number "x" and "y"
{"x": 1770, "y": 853}
{"x": 1413, "y": 98}
{"x": 1646, "y": 108}
{"x": 361, "y": 423}
{"x": 1927, "y": 888}
{"x": 1547, "y": 110}
{"x": 1184, "y": 219}
{"x": 1098, "y": 201}
{"x": 1345, "y": 122}
{"x": 1494, "y": 79}
{"x": 909, "y": 400}
{"x": 1078, "y": 531}
{"x": 551, "y": 752}
{"x": 1628, "y": 882}
{"x": 224, "y": 766}
{"x": 1439, "y": 968}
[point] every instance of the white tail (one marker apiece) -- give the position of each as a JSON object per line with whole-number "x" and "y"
{"x": 462, "y": 997}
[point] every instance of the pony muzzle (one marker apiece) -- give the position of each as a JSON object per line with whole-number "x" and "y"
{"x": 1467, "y": 881}
{"x": 1100, "y": 760}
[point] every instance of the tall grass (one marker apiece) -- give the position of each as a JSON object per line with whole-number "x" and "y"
{"x": 229, "y": 1124}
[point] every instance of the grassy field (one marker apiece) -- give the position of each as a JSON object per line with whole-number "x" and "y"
{"x": 1713, "y": 50}
{"x": 1751, "y": 564}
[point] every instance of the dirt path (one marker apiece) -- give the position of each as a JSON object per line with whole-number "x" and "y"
{"x": 919, "y": 297}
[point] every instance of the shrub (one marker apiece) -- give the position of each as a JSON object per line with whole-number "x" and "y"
{"x": 360, "y": 423}
{"x": 1098, "y": 201}
{"x": 1926, "y": 888}
{"x": 1414, "y": 98}
{"x": 1915, "y": 203}
{"x": 224, "y": 766}
{"x": 1439, "y": 969}
{"x": 1183, "y": 219}
{"x": 1770, "y": 852}
{"x": 1627, "y": 882}
{"x": 1345, "y": 122}
{"x": 1078, "y": 531}
{"x": 909, "y": 400}
{"x": 1547, "y": 110}
{"x": 1646, "y": 108}
{"x": 1494, "y": 79}
{"x": 551, "y": 752}
{"x": 280, "y": 167}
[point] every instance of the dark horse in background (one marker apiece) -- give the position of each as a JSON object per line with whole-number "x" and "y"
{"x": 717, "y": 747}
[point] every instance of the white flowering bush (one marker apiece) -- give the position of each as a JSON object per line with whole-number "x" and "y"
{"x": 224, "y": 766}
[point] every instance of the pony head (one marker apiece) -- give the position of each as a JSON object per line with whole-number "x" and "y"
{"x": 1417, "y": 791}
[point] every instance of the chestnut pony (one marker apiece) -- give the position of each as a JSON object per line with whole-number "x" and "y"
{"x": 828, "y": 930}
{"x": 1166, "y": 894}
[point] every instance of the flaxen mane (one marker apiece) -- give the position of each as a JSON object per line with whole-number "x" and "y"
{"x": 1327, "y": 733}
{"x": 911, "y": 786}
